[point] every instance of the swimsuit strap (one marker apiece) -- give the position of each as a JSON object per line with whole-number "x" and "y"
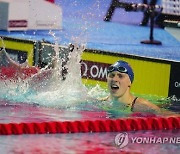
{"x": 134, "y": 101}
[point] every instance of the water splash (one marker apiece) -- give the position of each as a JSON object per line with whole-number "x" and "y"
{"x": 69, "y": 92}
{"x": 47, "y": 87}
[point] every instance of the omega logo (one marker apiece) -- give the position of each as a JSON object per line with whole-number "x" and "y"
{"x": 177, "y": 84}
{"x": 94, "y": 70}
{"x": 85, "y": 68}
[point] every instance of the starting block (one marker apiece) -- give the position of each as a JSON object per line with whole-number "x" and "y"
{"x": 29, "y": 14}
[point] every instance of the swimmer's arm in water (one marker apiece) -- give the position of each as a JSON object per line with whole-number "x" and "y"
{"x": 143, "y": 105}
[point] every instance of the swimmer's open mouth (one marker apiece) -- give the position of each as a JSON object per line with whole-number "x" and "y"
{"x": 114, "y": 87}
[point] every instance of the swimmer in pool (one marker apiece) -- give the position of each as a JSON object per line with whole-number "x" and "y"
{"x": 120, "y": 78}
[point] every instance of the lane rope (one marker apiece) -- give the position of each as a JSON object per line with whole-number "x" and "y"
{"x": 110, "y": 125}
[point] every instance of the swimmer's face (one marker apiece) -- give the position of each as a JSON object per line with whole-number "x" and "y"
{"x": 118, "y": 83}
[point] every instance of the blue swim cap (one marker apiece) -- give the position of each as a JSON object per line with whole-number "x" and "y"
{"x": 123, "y": 67}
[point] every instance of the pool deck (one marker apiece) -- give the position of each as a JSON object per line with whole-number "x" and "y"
{"x": 83, "y": 23}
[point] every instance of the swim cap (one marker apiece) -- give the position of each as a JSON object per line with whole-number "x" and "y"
{"x": 122, "y": 67}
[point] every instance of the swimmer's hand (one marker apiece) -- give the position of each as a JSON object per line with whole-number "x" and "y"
{"x": 104, "y": 98}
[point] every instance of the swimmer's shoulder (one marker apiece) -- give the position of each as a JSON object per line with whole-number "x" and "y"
{"x": 143, "y": 105}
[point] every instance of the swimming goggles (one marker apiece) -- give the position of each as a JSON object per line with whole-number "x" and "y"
{"x": 119, "y": 69}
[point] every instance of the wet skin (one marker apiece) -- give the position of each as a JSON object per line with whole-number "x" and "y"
{"x": 118, "y": 84}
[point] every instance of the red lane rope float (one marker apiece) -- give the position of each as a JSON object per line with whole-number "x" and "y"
{"x": 110, "y": 125}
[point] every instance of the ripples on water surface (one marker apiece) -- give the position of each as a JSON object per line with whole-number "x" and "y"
{"x": 52, "y": 99}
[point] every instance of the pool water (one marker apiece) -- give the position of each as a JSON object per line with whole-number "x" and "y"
{"x": 15, "y": 112}
{"x": 85, "y": 143}
{"x": 19, "y": 105}
{"x": 49, "y": 98}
